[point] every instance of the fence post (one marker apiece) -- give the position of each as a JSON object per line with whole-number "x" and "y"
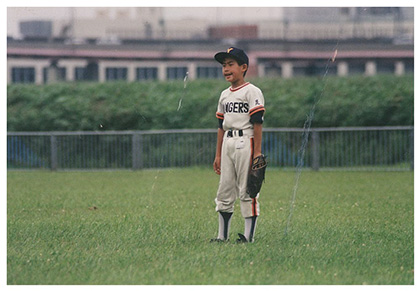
{"x": 137, "y": 148}
{"x": 54, "y": 161}
{"x": 412, "y": 150}
{"x": 315, "y": 150}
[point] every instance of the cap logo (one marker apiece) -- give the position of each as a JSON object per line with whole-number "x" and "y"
{"x": 229, "y": 49}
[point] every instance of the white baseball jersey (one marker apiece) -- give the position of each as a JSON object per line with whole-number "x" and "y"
{"x": 237, "y": 105}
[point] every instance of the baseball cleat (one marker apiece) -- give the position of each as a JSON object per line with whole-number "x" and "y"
{"x": 241, "y": 239}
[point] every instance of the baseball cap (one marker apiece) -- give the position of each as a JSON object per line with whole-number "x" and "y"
{"x": 232, "y": 52}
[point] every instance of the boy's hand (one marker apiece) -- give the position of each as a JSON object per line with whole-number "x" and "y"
{"x": 216, "y": 165}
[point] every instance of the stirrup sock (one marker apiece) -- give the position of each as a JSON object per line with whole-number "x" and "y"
{"x": 250, "y": 225}
{"x": 224, "y": 225}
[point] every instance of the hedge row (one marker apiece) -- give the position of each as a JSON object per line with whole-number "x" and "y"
{"x": 350, "y": 101}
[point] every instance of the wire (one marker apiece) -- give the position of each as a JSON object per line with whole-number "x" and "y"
{"x": 305, "y": 138}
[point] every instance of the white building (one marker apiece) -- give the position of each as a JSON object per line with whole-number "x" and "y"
{"x": 147, "y": 43}
{"x": 105, "y": 23}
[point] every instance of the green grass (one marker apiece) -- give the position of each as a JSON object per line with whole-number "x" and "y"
{"x": 153, "y": 227}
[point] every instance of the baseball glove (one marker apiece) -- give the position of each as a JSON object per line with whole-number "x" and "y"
{"x": 256, "y": 176}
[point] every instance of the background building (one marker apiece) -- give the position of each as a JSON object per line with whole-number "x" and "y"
{"x": 160, "y": 43}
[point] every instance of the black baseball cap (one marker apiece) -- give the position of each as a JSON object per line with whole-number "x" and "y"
{"x": 234, "y": 53}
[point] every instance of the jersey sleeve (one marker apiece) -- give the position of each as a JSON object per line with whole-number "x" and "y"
{"x": 257, "y": 109}
{"x": 220, "y": 114}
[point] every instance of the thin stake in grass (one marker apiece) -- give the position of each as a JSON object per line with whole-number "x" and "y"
{"x": 305, "y": 138}
{"x": 185, "y": 86}
{"x": 157, "y": 175}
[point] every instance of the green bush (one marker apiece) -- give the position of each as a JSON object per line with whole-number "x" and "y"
{"x": 350, "y": 101}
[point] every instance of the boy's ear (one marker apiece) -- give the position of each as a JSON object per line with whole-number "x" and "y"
{"x": 244, "y": 67}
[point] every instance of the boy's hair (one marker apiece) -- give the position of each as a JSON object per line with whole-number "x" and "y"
{"x": 240, "y": 63}
{"x": 234, "y": 53}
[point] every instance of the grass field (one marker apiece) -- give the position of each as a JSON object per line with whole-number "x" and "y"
{"x": 154, "y": 227}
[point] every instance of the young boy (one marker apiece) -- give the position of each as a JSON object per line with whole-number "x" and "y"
{"x": 240, "y": 112}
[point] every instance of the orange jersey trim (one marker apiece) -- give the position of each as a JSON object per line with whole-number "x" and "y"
{"x": 220, "y": 115}
{"x": 254, "y": 207}
{"x": 256, "y": 109}
{"x": 254, "y": 200}
{"x": 238, "y": 88}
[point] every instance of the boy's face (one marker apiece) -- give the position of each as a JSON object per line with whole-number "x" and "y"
{"x": 232, "y": 71}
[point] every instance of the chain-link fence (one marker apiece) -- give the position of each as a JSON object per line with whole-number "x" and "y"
{"x": 365, "y": 148}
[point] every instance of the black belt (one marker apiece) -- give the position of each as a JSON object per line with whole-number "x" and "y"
{"x": 230, "y": 133}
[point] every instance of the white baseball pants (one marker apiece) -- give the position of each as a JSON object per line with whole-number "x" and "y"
{"x": 235, "y": 164}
